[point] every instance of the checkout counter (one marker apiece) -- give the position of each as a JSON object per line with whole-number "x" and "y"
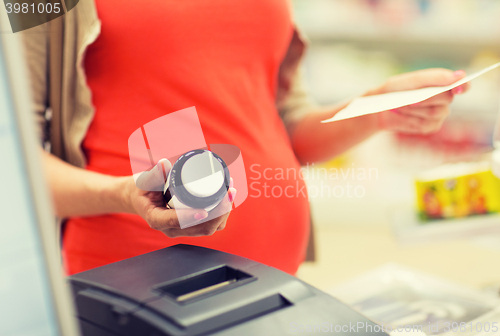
{"x": 187, "y": 290}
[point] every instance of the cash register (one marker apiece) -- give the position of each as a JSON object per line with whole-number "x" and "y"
{"x": 189, "y": 290}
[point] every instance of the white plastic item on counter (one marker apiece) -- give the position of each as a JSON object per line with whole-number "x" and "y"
{"x": 399, "y": 297}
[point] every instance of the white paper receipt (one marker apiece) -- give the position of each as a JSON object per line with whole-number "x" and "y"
{"x": 393, "y": 100}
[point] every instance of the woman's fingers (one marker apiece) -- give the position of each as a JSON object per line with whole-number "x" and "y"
{"x": 399, "y": 122}
{"x": 153, "y": 179}
{"x": 444, "y": 98}
{"x": 196, "y": 222}
{"x": 461, "y": 89}
{"x": 227, "y": 205}
{"x": 207, "y": 228}
{"x": 436, "y": 113}
{"x": 204, "y": 229}
{"x": 422, "y": 78}
{"x": 169, "y": 222}
{"x": 161, "y": 218}
{"x": 164, "y": 167}
{"x": 203, "y": 223}
{"x": 427, "y": 116}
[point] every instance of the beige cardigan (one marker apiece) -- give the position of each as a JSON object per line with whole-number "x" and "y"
{"x": 54, "y": 53}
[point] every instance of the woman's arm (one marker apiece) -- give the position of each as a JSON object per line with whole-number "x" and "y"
{"x": 79, "y": 192}
{"x": 313, "y": 141}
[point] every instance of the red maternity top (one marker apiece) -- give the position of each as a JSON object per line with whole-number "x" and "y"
{"x": 156, "y": 57}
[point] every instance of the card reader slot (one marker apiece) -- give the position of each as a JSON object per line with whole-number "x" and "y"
{"x": 201, "y": 285}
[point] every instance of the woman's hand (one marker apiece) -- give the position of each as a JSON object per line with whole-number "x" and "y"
{"x": 80, "y": 192}
{"x": 150, "y": 206}
{"x": 313, "y": 141}
{"x": 425, "y": 117}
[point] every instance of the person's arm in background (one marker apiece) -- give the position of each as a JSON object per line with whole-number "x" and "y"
{"x": 314, "y": 142}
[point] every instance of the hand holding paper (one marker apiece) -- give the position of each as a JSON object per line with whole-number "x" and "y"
{"x": 393, "y": 100}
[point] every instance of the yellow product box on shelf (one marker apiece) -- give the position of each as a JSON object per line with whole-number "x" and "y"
{"x": 457, "y": 190}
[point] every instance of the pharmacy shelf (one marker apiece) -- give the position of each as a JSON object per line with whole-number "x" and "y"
{"x": 369, "y": 37}
{"x": 453, "y": 29}
{"x": 409, "y": 47}
{"x": 395, "y": 35}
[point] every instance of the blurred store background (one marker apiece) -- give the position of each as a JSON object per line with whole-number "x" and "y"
{"x": 356, "y": 45}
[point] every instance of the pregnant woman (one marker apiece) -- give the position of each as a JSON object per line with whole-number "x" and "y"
{"x": 108, "y": 67}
